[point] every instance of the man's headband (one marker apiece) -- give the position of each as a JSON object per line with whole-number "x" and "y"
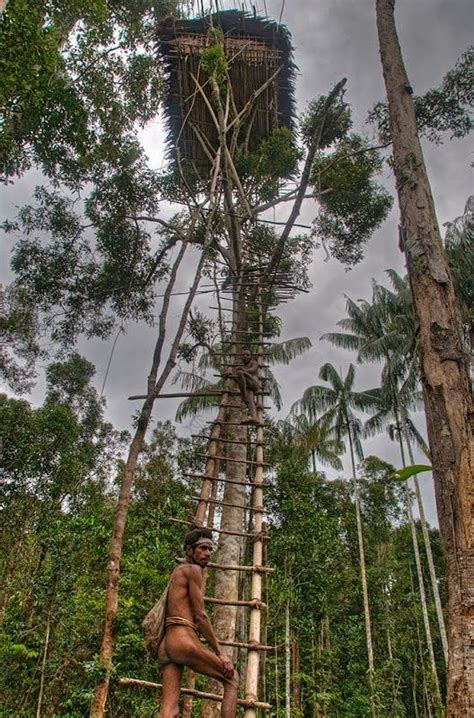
{"x": 203, "y": 540}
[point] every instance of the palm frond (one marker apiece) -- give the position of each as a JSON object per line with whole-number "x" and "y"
{"x": 190, "y": 380}
{"x": 366, "y": 400}
{"x": 316, "y": 399}
{"x": 329, "y": 373}
{"x": 209, "y": 361}
{"x": 285, "y": 352}
{"x": 414, "y": 434}
{"x": 376, "y": 424}
{"x": 349, "y": 380}
{"x": 196, "y": 404}
{"x": 271, "y": 385}
{"x": 343, "y": 340}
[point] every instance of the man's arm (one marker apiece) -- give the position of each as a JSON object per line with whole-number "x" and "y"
{"x": 252, "y": 368}
{"x": 197, "y": 606}
{"x": 201, "y": 618}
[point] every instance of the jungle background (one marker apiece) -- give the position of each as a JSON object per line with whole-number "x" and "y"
{"x": 66, "y": 419}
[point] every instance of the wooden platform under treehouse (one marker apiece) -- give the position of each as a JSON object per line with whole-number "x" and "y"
{"x": 256, "y": 50}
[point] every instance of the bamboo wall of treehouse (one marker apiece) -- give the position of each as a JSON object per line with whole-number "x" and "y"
{"x": 248, "y": 69}
{"x": 256, "y": 51}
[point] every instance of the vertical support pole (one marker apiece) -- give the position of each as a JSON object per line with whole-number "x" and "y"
{"x": 253, "y": 655}
{"x": 211, "y": 463}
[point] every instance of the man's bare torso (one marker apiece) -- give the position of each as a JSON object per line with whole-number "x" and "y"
{"x": 178, "y": 603}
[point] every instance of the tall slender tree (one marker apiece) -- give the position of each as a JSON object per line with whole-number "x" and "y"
{"x": 383, "y": 331}
{"x": 443, "y": 362}
{"x": 315, "y": 437}
{"x": 336, "y": 403}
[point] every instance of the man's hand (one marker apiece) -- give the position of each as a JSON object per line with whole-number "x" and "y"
{"x": 227, "y": 665}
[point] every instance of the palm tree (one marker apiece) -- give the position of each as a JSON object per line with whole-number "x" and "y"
{"x": 337, "y": 402}
{"x": 317, "y": 438}
{"x": 384, "y": 330}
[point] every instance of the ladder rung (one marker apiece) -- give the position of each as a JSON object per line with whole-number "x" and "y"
{"x": 224, "y": 481}
{"x": 239, "y": 366}
{"x": 257, "y": 509}
{"x": 236, "y": 423}
{"x": 250, "y": 646}
{"x": 260, "y": 378}
{"x": 237, "y": 461}
{"x": 264, "y": 334}
{"x": 255, "y": 603}
{"x": 137, "y": 683}
{"x": 255, "y": 342}
{"x": 253, "y": 536}
{"x": 215, "y": 478}
{"x": 188, "y": 394}
{"x": 232, "y": 567}
{"x": 249, "y": 442}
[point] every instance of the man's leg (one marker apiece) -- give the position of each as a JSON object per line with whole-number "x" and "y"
{"x": 170, "y": 692}
{"x": 202, "y": 660}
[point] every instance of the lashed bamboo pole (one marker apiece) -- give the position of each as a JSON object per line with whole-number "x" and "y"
{"x": 191, "y": 675}
{"x": 253, "y": 656}
{"x": 137, "y": 683}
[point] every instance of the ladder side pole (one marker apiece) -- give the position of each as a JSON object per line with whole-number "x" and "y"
{"x": 253, "y": 656}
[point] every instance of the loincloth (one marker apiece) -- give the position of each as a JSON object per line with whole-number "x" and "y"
{"x": 178, "y": 621}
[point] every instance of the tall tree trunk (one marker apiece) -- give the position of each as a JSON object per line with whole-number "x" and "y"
{"x": 39, "y": 704}
{"x": 277, "y": 677}
{"x": 295, "y": 649}
{"x": 419, "y": 570}
{"x": 287, "y": 661}
{"x": 230, "y": 547}
{"x": 443, "y": 366}
{"x": 363, "y": 573}
{"x": 429, "y": 556}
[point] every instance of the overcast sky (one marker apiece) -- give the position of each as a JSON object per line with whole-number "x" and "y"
{"x": 332, "y": 39}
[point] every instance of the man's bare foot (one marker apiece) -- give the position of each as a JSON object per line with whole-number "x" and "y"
{"x": 252, "y": 421}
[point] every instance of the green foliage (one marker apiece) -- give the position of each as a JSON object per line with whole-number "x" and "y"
{"x": 331, "y": 126}
{"x": 314, "y": 549}
{"x": 275, "y": 160}
{"x": 441, "y": 110}
{"x": 99, "y": 281}
{"x": 408, "y": 471}
{"x": 335, "y": 404}
{"x": 19, "y": 329}
{"x": 459, "y": 247}
{"x": 76, "y": 80}
{"x": 58, "y": 495}
{"x": 353, "y": 205}
{"x": 56, "y": 522}
{"x": 213, "y": 59}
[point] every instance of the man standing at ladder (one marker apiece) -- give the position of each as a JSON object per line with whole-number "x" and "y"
{"x": 186, "y": 617}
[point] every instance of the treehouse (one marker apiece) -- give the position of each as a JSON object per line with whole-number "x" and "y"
{"x": 259, "y": 77}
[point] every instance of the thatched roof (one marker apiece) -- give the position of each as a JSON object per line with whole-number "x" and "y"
{"x": 255, "y": 48}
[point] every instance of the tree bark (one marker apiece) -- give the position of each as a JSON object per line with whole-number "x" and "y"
{"x": 287, "y": 661}
{"x": 230, "y": 547}
{"x": 419, "y": 570}
{"x": 295, "y": 649}
{"x": 443, "y": 366}
{"x": 429, "y": 556}
{"x": 39, "y": 704}
{"x": 277, "y": 676}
